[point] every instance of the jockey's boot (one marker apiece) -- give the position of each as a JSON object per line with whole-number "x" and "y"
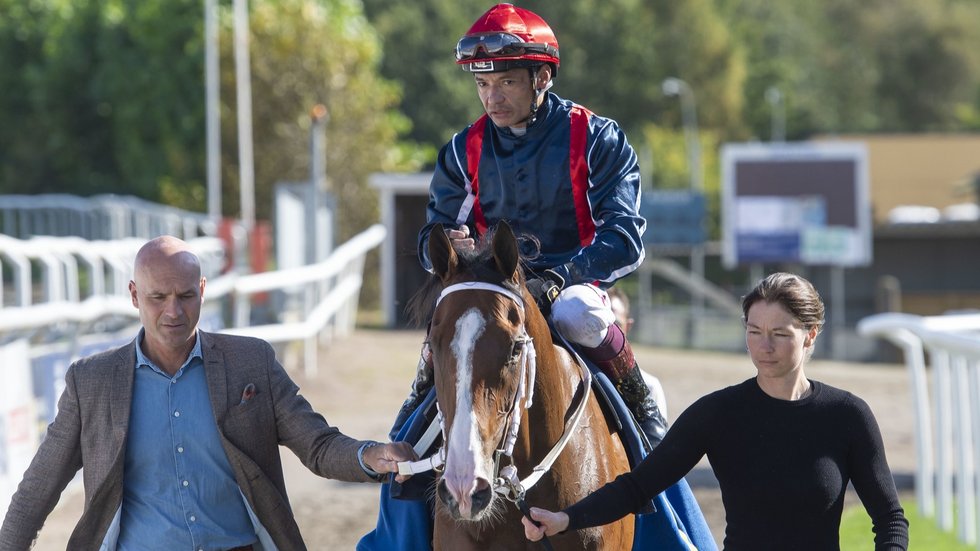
{"x": 638, "y": 398}
{"x": 622, "y": 370}
{"x": 424, "y": 380}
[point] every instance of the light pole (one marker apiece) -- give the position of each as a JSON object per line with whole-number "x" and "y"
{"x": 689, "y": 116}
{"x": 212, "y": 109}
{"x": 777, "y": 114}
{"x": 243, "y": 85}
{"x": 319, "y": 244}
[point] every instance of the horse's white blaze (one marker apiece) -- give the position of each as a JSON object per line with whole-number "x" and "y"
{"x": 465, "y": 455}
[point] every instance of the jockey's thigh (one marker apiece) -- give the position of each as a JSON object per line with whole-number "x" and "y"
{"x": 582, "y": 314}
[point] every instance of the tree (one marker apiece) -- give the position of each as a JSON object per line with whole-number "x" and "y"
{"x": 614, "y": 56}
{"x": 418, "y": 42}
{"x": 303, "y": 53}
{"x": 101, "y": 96}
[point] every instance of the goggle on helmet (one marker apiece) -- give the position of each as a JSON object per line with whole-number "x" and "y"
{"x": 506, "y": 37}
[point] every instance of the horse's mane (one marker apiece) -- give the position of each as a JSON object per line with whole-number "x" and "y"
{"x": 480, "y": 264}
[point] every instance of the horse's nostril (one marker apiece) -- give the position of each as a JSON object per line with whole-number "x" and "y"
{"x": 445, "y": 495}
{"x": 482, "y": 495}
{"x": 482, "y": 484}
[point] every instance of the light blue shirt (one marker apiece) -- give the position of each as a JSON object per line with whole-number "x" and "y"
{"x": 179, "y": 491}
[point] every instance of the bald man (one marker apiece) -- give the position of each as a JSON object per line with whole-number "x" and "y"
{"x": 179, "y": 433}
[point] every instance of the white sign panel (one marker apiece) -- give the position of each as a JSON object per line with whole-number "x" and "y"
{"x": 18, "y": 419}
{"x": 796, "y": 202}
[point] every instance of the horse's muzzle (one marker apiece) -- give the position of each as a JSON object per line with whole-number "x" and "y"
{"x": 470, "y": 507}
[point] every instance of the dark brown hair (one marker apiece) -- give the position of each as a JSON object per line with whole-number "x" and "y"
{"x": 792, "y": 292}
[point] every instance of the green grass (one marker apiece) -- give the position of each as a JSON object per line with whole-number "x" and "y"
{"x": 855, "y": 531}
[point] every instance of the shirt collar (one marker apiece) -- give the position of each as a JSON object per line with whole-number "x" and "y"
{"x": 142, "y": 360}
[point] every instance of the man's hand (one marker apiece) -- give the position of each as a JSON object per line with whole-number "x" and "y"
{"x": 461, "y": 240}
{"x": 549, "y": 524}
{"x": 384, "y": 458}
{"x": 545, "y": 289}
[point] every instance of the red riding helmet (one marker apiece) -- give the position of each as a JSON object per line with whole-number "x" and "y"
{"x": 507, "y": 37}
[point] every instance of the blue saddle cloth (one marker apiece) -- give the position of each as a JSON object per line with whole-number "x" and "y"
{"x": 675, "y": 523}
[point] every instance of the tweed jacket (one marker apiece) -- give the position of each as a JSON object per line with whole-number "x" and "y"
{"x": 93, "y": 418}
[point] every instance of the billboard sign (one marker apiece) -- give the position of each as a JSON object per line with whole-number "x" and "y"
{"x": 806, "y": 203}
{"x": 674, "y": 217}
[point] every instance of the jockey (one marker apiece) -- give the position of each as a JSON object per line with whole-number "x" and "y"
{"x": 556, "y": 172}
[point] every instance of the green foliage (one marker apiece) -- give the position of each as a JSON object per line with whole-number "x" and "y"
{"x": 107, "y": 96}
{"x": 665, "y": 165}
{"x": 304, "y": 53}
{"x": 856, "y": 535}
{"x": 613, "y": 59}
{"x": 99, "y": 96}
{"x": 839, "y": 65}
{"x": 419, "y": 38}
{"x": 843, "y": 66}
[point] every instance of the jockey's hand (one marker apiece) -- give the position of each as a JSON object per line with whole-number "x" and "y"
{"x": 384, "y": 458}
{"x": 461, "y": 240}
{"x": 545, "y": 289}
{"x": 549, "y": 524}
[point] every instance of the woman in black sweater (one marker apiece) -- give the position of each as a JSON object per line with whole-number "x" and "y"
{"x": 783, "y": 447}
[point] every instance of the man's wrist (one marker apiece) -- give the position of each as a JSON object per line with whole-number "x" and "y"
{"x": 364, "y": 466}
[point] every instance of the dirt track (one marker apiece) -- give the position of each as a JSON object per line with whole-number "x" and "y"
{"x": 363, "y": 379}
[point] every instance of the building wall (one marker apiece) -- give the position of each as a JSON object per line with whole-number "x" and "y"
{"x": 933, "y": 170}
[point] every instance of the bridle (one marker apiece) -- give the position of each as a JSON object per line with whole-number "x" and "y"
{"x": 506, "y": 481}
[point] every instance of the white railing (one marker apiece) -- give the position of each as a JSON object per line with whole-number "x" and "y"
{"x": 948, "y": 450}
{"x": 323, "y": 292}
{"x": 318, "y": 297}
{"x": 70, "y": 269}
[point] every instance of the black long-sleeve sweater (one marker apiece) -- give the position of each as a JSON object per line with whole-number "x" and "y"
{"x": 783, "y": 467}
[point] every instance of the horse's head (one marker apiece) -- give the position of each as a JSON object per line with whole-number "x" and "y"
{"x": 480, "y": 352}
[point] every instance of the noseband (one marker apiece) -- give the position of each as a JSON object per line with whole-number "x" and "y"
{"x": 506, "y": 482}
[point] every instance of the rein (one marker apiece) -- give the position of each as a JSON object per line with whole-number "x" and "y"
{"x": 506, "y": 481}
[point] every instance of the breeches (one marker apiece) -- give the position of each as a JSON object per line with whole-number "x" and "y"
{"x": 582, "y": 314}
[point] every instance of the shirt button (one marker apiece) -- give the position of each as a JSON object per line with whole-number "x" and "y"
{"x": 180, "y": 449}
{"x": 185, "y": 485}
{"x": 176, "y": 414}
{"x": 193, "y": 518}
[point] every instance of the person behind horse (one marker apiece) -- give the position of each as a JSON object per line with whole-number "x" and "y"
{"x": 783, "y": 447}
{"x": 620, "y": 304}
{"x": 177, "y": 433}
{"x": 555, "y": 172}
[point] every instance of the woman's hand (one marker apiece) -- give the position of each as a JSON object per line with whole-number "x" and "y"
{"x": 549, "y": 524}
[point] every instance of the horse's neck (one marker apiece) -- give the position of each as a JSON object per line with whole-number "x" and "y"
{"x": 557, "y": 386}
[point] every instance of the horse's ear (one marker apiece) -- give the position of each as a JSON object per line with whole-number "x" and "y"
{"x": 505, "y": 251}
{"x": 441, "y": 252}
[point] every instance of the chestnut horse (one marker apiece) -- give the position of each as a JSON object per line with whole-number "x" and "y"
{"x": 520, "y": 423}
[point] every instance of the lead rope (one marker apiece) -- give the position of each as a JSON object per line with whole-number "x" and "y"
{"x": 526, "y": 511}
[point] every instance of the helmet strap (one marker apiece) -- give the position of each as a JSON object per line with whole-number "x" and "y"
{"x": 536, "y": 93}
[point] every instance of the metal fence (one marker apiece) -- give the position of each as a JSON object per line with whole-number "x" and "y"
{"x": 296, "y": 304}
{"x": 947, "y": 418}
{"x": 100, "y": 217}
